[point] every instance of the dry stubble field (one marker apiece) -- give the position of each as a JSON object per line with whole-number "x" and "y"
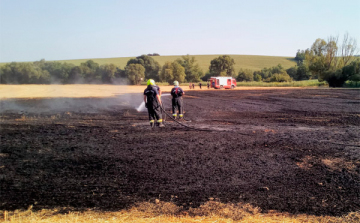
{"x": 290, "y": 151}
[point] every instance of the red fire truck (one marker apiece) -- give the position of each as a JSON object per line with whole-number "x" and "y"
{"x": 222, "y": 82}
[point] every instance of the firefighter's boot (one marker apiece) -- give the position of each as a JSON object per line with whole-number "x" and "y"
{"x": 152, "y": 123}
{"x": 160, "y": 124}
{"x": 181, "y": 117}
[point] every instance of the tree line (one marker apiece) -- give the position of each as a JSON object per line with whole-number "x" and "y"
{"x": 330, "y": 61}
{"x": 141, "y": 68}
{"x": 324, "y": 60}
{"x": 44, "y": 72}
{"x": 327, "y": 61}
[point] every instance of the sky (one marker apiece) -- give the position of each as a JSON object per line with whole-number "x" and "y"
{"x": 83, "y": 29}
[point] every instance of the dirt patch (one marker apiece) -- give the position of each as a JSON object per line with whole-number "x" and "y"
{"x": 293, "y": 150}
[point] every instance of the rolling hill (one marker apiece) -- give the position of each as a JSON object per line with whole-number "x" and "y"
{"x": 252, "y": 62}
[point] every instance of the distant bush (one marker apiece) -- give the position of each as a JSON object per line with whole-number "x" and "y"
{"x": 337, "y": 78}
{"x": 245, "y": 75}
{"x": 282, "y": 77}
{"x": 43, "y": 72}
{"x": 206, "y": 77}
{"x": 153, "y": 54}
{"x": 257, "y": 77}
{"x": 300, "y": 72}
{"x": 306, "y": 83}
{"x": 272, "y": 74}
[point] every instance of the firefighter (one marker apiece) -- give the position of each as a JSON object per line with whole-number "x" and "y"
{"x": 160, "y": 92}
{"x": 153, "y": 104}
{"x": 208, "y": 85}
{"x": 158, "y": 89}
{"x": 177, "y": 101}
{"x": 200, "y": 85}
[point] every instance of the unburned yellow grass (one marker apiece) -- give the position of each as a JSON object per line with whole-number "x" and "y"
{"x": 137, "y": 216}
{"x": 87, "y": 90}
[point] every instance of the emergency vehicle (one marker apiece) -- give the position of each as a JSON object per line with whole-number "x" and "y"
{"x": 222, "y": 82}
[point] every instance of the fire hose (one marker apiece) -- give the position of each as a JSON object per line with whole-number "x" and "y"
{"x": 207, "y": 130}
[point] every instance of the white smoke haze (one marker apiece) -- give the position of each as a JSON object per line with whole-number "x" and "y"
{"x": 87, "y": 98}
{"x": 142, "y": 108}
{"x": 80, "y": 105}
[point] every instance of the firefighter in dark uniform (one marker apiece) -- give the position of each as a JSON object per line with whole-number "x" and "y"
{"x": 153, "y": 103}
{"x": 158, "y": 89}
{"x": 162, "y": 105}
{"x": 177, "y": 101}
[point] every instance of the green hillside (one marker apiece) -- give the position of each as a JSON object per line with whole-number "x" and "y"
{"x": 241, "y": 61}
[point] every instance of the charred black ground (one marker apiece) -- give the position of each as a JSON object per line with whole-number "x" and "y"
{"x": 293, "y": 150}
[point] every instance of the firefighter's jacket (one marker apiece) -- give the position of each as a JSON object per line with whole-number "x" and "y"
{"x": 177, "y": 92}
{"x": 151, "y": 100}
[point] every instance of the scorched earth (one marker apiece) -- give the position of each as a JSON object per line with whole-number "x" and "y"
{"x": 292, "y": 150}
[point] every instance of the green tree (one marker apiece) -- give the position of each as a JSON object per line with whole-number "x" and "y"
{"x": 280, "y": 77}
{"x": 193, "y": 71}
{"x": 207, "y": 76}
{"x": 151, "y": 66}
{"x": 23, "y": 73}
{"x": 245, "y": 75}
{"x": 222, "y": 66}
{"x": 59, "y": 72}
{"x": 267, "y": 74}
{"x": 353, "y": 69}
{"x": 319, "y": 47}
{"x": 337, "y": 78}
{"x": 257, "y": 76}
{"x": 172, "y": 71}
{"x": 76, "y": 75}
{"x": 348, "y": 49}
{"x": 292, "y": 72}
{"x": 107, "y": 72}
{"x": 135, "y": 73}
{"x": 91, "y": 65}
{"x": 324, "y": 59}
{"x": 300, "y": 56}
{"x": 90, "y": 71}
{"x": 317, "y": 66}
{"x": 300, "y": 72}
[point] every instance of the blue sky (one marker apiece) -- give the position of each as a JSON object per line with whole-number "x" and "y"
{"x": 79, "y": 29}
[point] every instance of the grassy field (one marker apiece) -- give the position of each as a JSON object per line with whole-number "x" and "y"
{"x": 251, "y": 62}
{"x": 306, "y": 83}
{"x": 8, "y": 91}
{"x": 211, "y": 211}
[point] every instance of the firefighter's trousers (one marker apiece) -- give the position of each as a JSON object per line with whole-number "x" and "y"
{"x": 154, "y": 111}
{"x": 177, "y": 104}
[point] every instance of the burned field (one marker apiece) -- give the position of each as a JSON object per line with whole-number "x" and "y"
{"x": 291, "y": 150}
